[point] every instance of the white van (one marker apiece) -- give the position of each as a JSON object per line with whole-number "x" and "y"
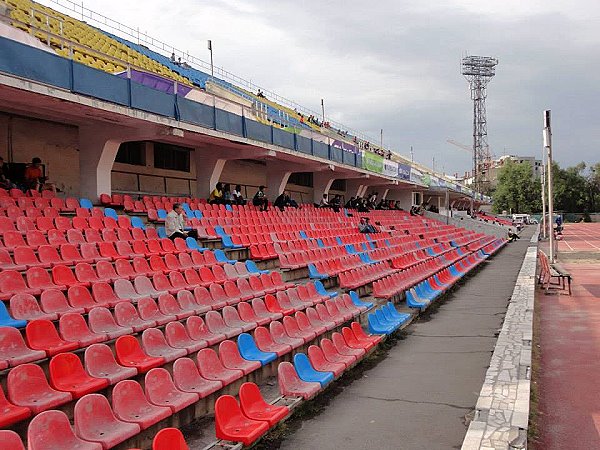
{"x": 521, "y": 218}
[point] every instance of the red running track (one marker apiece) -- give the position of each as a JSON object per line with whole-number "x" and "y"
{"x": 580, "y": 237}
{"x": 569, "y": 373}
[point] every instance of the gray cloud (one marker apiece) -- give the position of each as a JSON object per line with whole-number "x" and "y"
{"x": 395, "y": 65}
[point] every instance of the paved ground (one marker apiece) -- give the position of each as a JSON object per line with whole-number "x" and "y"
{"x": 569, "y": 367}
{"x": 578, "y": 237}
{"x": 418, "y": 396}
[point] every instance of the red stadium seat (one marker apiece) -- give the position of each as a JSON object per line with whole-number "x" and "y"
{"x": 80, "y": 297}
{"x": 187, "y": 378}
{"x": 11, "y": 440}
{"x": 67, "y": 375}
{"x": 54, "y": 301}
{"x": 49, "y": 256}
{"x": 26, "y": 257}
{"x": 38, "y": 278}
{"x": 265, "y": 342}
{"x": 155, "y": 344}
{"x": 229, "y": 355}
{"x": 211, "y": 368}
{"x": 28, "y": 387}
{"x": 331, "y": 353}
{"x": 7, "y": 263}
{"x": 127, "y": 316}
{"x": 255, "y": 407}
{"x": 177, "y": 336}
{"x": 130, "y": 354}
{"x": 149, "y": 311}
{"x": 291, "y": 385}
{"x": 52, "y": 430}
{"x": 259, "y": 307}
{"x": 26, "y": 307}
{"x": 161, "y": 391}
{"x": 13, "y": 350}
{"x": 232, "y": 425}
{"x": 101, "y": 321}
{"x": 64, "y": 276}
{"x": 169, "y": 439}
{"x": 321, "y": 363}
{"x": 104, "y": 295}
{"x": 11, "y": 414}
{"x": 96, "y": 422}
{"x": 247, "y": 314}
{"x": 73, "y": 328}
{"x": 169, "y": 306}
{"x": 11, "y": 282}
{"x": 130, "y": 405}
{"x": 343, "y": 348}
{"x": 198, "y": 331}
{"x": 100, "y": 363}
{"x": 280, "y": 336}
{"x": 41, "y": 335}
{"x": 216, "y": 324}
{"x": 69, "y": 252}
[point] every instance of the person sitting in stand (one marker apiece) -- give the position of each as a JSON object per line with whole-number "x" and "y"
{"x": 350, "y": 203}
{"x": 324, "y": 203}
{"x": 227, "y": 197}
{"x": 512, "y": 236}
{"x": 175, "y": 224}
{"x": 5, "y": 182}
{"x": 34, "y": 178}
{"x": 363, "y": 206}
{"x": 336, "y": 203}
{"x": 236, "y": 196}
{"x": 260, "y": 199}
{"x": 365, "y": 227}
{"x": 284, "y": 200}
{"x": 216, "y": 196}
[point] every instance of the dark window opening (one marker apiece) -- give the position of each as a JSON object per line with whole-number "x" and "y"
{"x": 171, "y": 157}
{"x": 301, "y": 179}
{"x": 133, "y": 153}
{"x": 338, "y": 185}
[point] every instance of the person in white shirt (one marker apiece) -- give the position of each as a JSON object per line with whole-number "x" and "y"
{"x": 175, "y": 224}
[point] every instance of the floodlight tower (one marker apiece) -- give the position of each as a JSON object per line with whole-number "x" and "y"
{"x": 479, "y": 70}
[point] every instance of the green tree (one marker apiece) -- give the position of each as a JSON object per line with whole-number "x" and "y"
{"x": 571, "y": 189}
{"x": 517, "y": 190}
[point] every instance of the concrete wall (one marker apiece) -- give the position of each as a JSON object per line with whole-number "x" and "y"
{"x": 56, "y": 144}
{"x": 470, "y": 224}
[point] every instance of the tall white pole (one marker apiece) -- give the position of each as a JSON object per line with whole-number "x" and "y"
{"x": 323, "y": 110}
{"x": 543, "y": 179}
{"x": 548, "y": 146}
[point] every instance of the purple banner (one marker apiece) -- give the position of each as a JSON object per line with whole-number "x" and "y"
{"x": 156, "y": 82}
{"x": 344, "y": 146}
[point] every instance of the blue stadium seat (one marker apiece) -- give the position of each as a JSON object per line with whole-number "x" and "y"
{"x": 307, "y": 372}
{"x": 228, "y": 208}
{"x": 198, "y": 214}
{"x": 220, "y": 256}
{"x": 252, "y": 268}
{"x": 162, "y": 214}
{"x": 303, "y": 235}
{"x": 321, "y": 290}
{"x": 136, "y": 222}
{"x": 85, "y": 203}
{"x": 251, "y": 352}
{"x": 187, "y": 209}
{"x": 7, "y": 321}
{"x": 161, "y": 232}
{"x": 358, "y": 302}
{"x": 109, "y": 212}
{"x": 314, "y": 274}
{"x": 413, "y": 302}
{"x": 193, "y": 244}
{"x": 376, "y": 327}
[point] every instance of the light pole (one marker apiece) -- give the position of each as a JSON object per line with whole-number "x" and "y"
{"x": 323, "y": 110}
{"x": 212, "y": 67}
{"x": 548, "y": 147}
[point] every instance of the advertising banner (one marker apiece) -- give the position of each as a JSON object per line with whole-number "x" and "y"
{"x": 344, "y": 146}
{"x": 416, "y": 176}
{"x": 390, "y": 168}
{"x": 404, "y": 172}
{"x": 372, "y": 162}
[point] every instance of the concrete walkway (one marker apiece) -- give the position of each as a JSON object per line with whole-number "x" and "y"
{"x": 418, "y": 396}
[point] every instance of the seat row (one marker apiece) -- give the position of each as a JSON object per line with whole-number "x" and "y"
{"x": 29, "y": 392}
{"x": 74, "y": 332}
{"x": 355, "y": 278}
{"x": 52, "y": 429}
{"x": 252, "y": 417}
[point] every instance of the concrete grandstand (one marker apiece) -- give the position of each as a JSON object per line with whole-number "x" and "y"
{"x": 114, "y": 336}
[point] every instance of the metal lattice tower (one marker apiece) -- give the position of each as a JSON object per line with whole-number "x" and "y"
{"x": 479, "y": 70}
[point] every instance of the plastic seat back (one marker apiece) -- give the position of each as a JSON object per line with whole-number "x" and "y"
{"x": 169, "y": 439}
{"x": 100, "y": 363}
{"x": 27, "y": 386}
{"x": 11, "y": 440}
{"x": 95, "y": 421}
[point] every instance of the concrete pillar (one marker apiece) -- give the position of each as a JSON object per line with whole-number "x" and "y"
{"x": 209, "y": 168}
{"x": 363, "y": 191}
{"x": 278, "y": 175}
{"x": 322, "y": 182}
{"x": 97, "y": 152}
{"x": 385, "y": 193}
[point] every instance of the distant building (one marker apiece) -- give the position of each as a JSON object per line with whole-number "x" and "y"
{"x": 497, "y": 164}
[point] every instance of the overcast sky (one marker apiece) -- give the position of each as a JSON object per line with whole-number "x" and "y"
{"x": 395, "y": 64}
